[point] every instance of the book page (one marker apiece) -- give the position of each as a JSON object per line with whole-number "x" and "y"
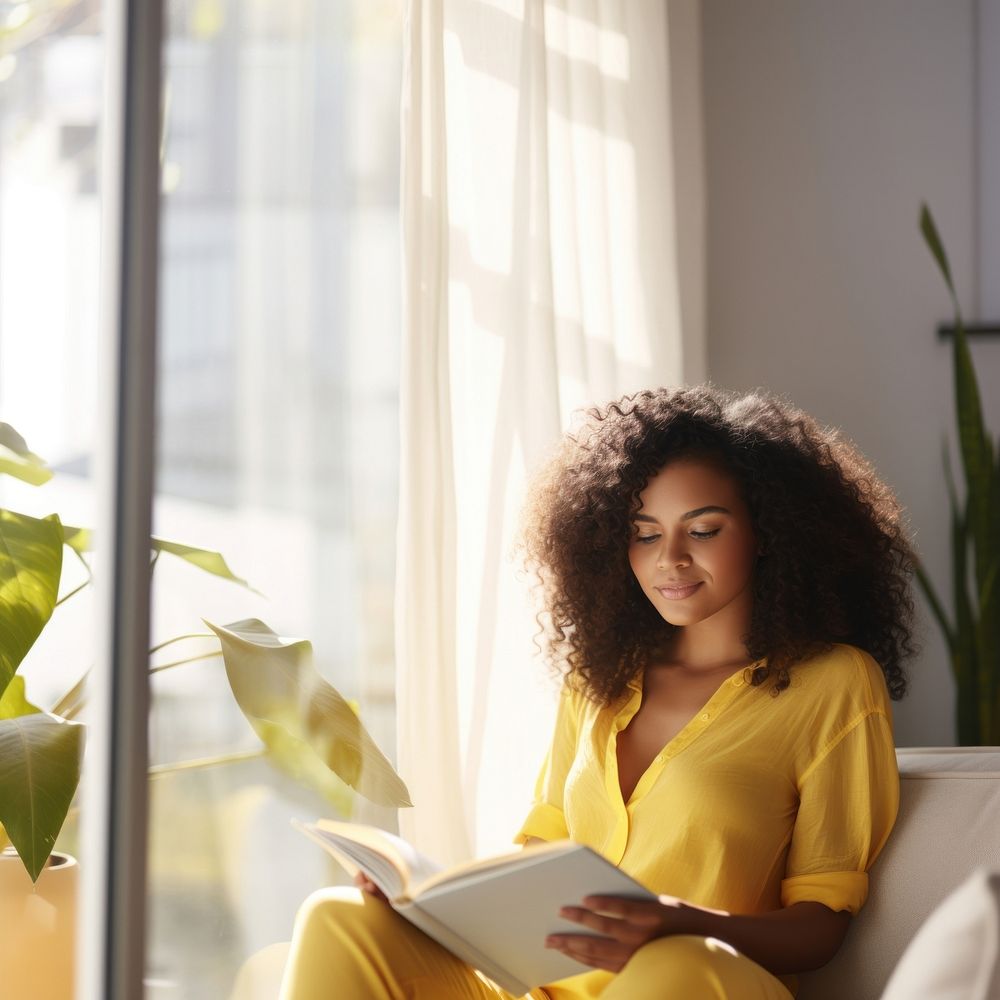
{"x": 392, "y": 863}
{"x": 473, "y": 870}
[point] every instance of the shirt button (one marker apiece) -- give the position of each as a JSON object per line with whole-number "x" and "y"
{"x": 704, "y": 716}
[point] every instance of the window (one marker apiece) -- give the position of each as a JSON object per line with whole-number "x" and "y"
{"x": 277, "y": 438}
{"x": 277, "y": 409}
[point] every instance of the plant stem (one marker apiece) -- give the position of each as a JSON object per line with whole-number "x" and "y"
{"x": 178, "y": 638}
{"x": 190, "y": 659}
{"x": 75, "y": 590}
{"x": 84, "y": 563}
{"x": 71, "y": 702}
{"x": 191, "y": 765}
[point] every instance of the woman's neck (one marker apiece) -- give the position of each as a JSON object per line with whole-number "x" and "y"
{"x": 709, "y": 645}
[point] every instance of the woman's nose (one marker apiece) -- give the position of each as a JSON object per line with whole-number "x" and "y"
{"x": 673, "y": 552}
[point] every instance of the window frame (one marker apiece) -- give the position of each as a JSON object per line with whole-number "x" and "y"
{"x": 111, "y": 915}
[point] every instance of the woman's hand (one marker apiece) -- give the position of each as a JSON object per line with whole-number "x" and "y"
{"x": 625, "y": 925}
{"x": 366, "y": 885}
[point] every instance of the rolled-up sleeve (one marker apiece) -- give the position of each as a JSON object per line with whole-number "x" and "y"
{"x": 546, "y": 818}
{"x": 848, "y": 800}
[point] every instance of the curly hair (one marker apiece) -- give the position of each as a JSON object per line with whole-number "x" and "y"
{"x": 837, "y": 565}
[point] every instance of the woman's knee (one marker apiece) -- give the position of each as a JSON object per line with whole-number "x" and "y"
{"x": 681, "y": 965}
{"x": 337, "y": 912}
{"x": 329, "y": 898}
{"x": 324, "y": 905}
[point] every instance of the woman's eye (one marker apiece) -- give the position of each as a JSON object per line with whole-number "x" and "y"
{"x": 646, "y": 539}
{"x": 704, "y": 534}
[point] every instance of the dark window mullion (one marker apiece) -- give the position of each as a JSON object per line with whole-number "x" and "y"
{"x": 113, "y": 896}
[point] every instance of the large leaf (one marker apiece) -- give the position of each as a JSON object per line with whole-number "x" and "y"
{"x": 30, "y": 566}
{"x": 210, "y": 562}
{"x": 17, "y": 460}
{"x": 39, "y": 770}
{"x": 14, "y": 702}
{"x": 297, "y": 713}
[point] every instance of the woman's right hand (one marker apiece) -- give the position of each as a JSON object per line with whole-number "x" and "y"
{"x": 366, "y": 885}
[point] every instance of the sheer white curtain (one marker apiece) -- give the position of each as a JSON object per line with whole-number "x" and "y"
{"x": 540, "y": 212}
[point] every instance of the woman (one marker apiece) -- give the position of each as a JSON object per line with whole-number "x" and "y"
{"x": 726, "y": 591}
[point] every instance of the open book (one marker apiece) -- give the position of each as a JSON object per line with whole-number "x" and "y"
{"x": 494, "y": 913}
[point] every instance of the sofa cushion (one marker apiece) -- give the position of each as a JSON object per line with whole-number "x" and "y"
{"x": 949, "y": 812}
{"x": 956, "y": 954}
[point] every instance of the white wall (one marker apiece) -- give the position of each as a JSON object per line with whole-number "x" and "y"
{"x": 826, "y": 125}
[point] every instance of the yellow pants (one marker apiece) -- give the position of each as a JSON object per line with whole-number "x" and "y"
{"x": 347, "y": 946}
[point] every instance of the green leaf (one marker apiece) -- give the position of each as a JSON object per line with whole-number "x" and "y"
{"x": 210, "y": 562}
{"x": 949, "y": 477}
{"x": 937, "y": 609}
{"x": 14, "y": 702}
{"x": 933, "y": 240}
{"x": 976, "y": 654}
{"x": 950, "y": 632}
{"x": 13, "y": 441}
{"x": 976, "y": 446}
{"x": 964, "y": 661}
{"x": 988, "y": 651}
{"x": 39, "y": 770}
{"x": 30, "y": 567}
{"x": 297, "y": 713}
{"x": 17, "y": 460}
{"x": 80, "y": 540}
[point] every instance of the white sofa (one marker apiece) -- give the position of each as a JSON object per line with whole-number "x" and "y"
{"x": 948, "y": 825}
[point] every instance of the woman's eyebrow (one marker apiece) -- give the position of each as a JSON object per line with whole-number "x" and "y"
{"x": 711, "y": 509}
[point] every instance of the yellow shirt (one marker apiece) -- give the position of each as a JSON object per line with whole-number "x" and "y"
{"x": 759, "y": 802}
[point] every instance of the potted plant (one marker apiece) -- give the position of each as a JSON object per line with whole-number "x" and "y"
{"x": 306, "y": 727}
{"x": 973, "y": 633}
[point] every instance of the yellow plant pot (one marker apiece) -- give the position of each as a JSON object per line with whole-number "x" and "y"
{"x": 37, "y": 929}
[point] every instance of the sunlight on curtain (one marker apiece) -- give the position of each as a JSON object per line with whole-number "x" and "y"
{"x": 540, "y": 276}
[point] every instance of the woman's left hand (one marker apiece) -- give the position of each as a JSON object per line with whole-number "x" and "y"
{"x": 625, "y": 925}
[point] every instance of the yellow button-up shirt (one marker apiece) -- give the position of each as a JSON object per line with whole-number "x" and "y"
{"x": 759, "y": 802}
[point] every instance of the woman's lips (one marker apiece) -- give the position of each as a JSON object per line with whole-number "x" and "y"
{"x": 678, "y": 593}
